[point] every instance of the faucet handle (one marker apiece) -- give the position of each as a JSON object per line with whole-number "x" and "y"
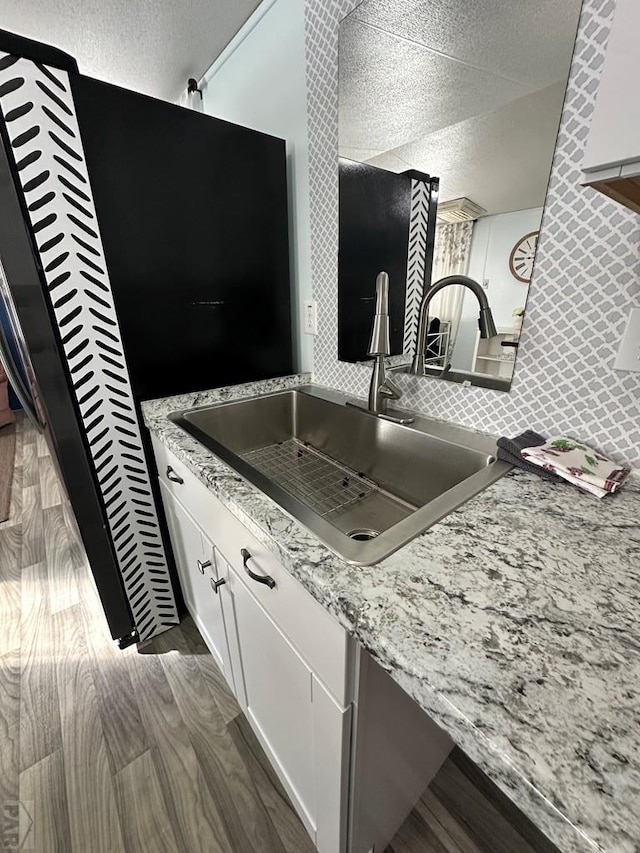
{"x": 390, "y": 389}
{"x": 379, "y": 344}
{"x": 382, "y": 293}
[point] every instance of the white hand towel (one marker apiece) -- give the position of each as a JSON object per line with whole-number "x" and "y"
{"x": 578, "y": 464}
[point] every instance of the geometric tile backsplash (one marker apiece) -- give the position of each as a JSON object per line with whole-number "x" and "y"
{"x": 585, "y": 282}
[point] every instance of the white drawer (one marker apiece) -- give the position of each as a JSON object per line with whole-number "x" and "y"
{"x": 321, "y": 641}
{"x": 171, "y": 471}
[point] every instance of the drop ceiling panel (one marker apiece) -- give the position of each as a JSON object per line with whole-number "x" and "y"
{"x": 525, "y": 40}
{"x": 393, "y": 90}
{"x": 151, "y": 46}
{"x": 501, "y": 161}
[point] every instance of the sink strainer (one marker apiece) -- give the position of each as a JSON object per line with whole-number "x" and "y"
{"x": 363, "y": 535}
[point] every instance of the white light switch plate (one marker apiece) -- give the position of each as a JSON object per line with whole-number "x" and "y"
{"x": 310, "y": 317}
{"x": 629, "y": 352}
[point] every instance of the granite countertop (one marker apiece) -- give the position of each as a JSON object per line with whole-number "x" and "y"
{"x": 514, "y": 622}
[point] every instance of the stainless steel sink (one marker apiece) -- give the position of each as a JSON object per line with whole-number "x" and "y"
{"x": 364, "y": 486}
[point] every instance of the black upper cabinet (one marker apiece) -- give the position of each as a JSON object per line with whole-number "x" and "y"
{"x": 375, "y": 208}
{"x": 193, "y": 217}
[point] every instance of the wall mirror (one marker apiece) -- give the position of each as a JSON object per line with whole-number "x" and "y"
{"x": 448, "y": 117}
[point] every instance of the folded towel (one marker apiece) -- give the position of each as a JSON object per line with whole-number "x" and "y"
{"x": 510, "y": 450}
{"x": 578, "y": 464}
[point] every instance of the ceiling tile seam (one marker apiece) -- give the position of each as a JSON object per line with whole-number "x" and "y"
{"x": 444, "y": 55}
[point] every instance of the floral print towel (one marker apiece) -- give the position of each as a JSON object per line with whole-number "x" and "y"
{"x": 579, "y": 464}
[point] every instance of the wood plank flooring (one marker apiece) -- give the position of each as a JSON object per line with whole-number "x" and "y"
{"x": 146, "y": 750}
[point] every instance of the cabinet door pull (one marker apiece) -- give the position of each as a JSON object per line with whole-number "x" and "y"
{"x": 171, "y": 475}
{"x": 266, "y": 579}
{"x": 202, "y": 566}
{"x": 215, "y": 585}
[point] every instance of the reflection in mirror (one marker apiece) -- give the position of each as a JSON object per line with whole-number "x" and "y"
{"x": 448, "y": 116}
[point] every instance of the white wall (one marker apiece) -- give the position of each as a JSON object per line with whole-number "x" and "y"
{"x": 493, "y": 239}
{"x": 259, "y": 81}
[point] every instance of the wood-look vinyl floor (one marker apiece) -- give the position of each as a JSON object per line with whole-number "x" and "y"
{"x": 147, "y": 750}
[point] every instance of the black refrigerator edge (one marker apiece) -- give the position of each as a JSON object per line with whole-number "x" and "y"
{"x": 143, "y": 253}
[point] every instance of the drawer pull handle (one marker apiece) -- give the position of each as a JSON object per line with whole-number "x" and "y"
{"x": 266, "y": 579}
{"x": 171, "y": 475}
{"x": 215, "y": 585}
{"x": 202, "y": 566}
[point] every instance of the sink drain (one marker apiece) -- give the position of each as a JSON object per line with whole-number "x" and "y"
{"x": 363, "y": 535}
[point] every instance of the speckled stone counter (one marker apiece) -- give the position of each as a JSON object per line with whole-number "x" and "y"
{"x": 514, "y": 623}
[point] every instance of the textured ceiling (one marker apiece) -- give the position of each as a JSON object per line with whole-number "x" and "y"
{"x": 524, "y": 40}
{"x": 151, "y": 46}
{"x": 393, "y": 91}
{"x": 468, "y": 156}
{"x": 470, "y": 92}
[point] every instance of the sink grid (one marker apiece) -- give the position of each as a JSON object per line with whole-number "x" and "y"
{"x": 310, "y": 476}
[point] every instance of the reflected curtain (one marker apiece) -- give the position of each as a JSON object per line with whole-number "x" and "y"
{"x": 450, "y": 257}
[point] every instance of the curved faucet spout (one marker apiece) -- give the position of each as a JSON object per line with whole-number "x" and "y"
{"x": 485, "y": 319}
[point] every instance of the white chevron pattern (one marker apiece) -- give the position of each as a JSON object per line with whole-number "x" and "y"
{"x": 39, "y": 114}
{"x": 418, "y": 219}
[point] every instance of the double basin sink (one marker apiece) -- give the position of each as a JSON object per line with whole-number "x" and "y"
{"x": 363, "y": 485}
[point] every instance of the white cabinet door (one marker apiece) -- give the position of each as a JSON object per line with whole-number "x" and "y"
{"x": 196, "y": 564}
{"x": 209, "y": 613}
{"x": 186, "y": 540}
{"x": 614, "y": 136}
{"x": 277, "y": 692}
{"x": 304, "y": 731}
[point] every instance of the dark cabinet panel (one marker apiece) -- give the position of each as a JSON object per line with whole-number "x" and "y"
{"x": 375, "y": 208}
{"x": 193, "y": 216}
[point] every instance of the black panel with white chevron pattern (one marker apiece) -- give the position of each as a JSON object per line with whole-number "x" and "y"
{"x": 418, "y": 220}
{"x": 38, "y": 110}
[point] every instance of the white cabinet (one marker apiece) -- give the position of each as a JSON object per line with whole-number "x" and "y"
{"x": 186, "y": 540}
{"x": 277, "y": 698}
{"x": 303, "y": 684}
{"x": 612, "y": 156}
{"x": 305, "y": 732}
{"x": 320, "y": 640}
{"x": 287, "y": 660}
{"x": 199, "y": 579}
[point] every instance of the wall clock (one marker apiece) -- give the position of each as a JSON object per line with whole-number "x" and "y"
{"x": 522, "y": 255}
